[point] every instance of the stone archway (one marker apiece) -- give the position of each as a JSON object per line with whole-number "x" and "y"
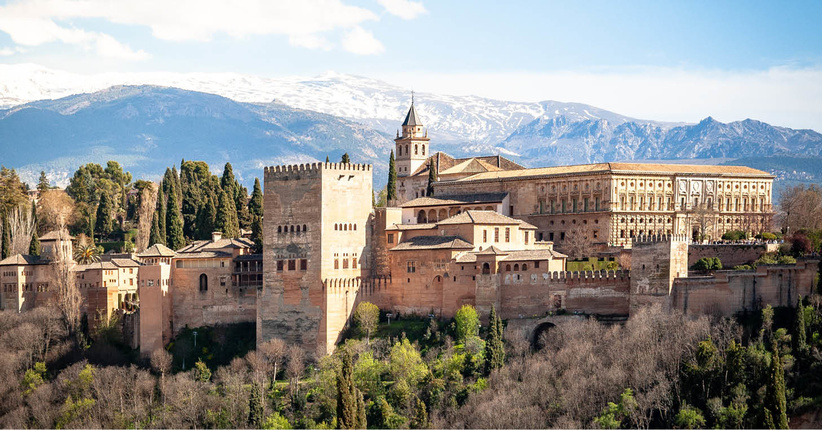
{"x": 536, "y": 335}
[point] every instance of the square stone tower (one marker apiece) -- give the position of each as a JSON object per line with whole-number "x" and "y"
{"x": 316, "y": 249}
{"x": 655, "y": 262}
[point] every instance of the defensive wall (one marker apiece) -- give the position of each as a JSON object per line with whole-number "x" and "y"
{"x": 731, "y": 254}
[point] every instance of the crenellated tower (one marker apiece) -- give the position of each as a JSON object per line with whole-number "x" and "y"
{"x": 412, "y": 145}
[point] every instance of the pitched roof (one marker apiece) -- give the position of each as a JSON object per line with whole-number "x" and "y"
{"x": 445, "y": 162}
{"x": 124, "y": 262}
{"x": 620, "y": 168}
{"x": 403, "y": 227}
{"x": 207, "y": 245}
{"x": 484, "y": 217}
{"x": 471, "y": 165}
{"x": 157, "y": 250}
{"x": 492, "y": 250}
{"x": 99, "y": 265}
{"x": 412, "y": 119}
{"x": 204, "y": 254}
{"x": 534, "y": 254}
{"x": 21, "y": 260}
{"x": 433, "y": 242}
{"x": 456, "y": 199}
{"x": 55, "y": 235}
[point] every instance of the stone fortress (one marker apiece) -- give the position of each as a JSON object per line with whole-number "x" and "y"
{"x": 492, "y": 234}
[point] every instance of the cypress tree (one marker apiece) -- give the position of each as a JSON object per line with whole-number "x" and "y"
{"x": 255, "y": 407}
{"x": 495, "y": 350}
{"x": 226, "y": 221}
{"x": 391, "y": 189}
{"x": 174, "y": 224}
{"x": 432, "y": 177}
{"x": 161, "y": 217}
{"x": 257, "y": 234}
{"x": 775, "y": 411}
{"x": 241, "y": 203}
{"x": 350, "y": 405}
{"x": 43, "y": 184}
{"x": 800, "y": 335}
{"x": 207, "y": 219}
{"x": 154, "y": 236}
{"x": 34, "y": 245}
{"x": 255, "y": 205}
{"x": 420, "y": 419}
{"x": 6, "y": 248}
{"x": 105, "y": 212}
{"x": 175, "y": 176}
{"x": 326, "y": 159}
{"x": 227, "y": 181}
{"x": 345, "y": 159}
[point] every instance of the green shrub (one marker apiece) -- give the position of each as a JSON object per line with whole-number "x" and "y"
{"x": 707, "y": 263}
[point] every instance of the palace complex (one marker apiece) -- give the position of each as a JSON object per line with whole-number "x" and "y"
{"x": 493, "y": 234}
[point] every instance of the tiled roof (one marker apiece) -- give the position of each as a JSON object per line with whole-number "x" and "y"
{"x": 620, "y": 168}
{"x": 433, "y": 242}
{"x": 492, "y": 250}
{"x": 485, "y": 217}
{"x": 21, "y": 260}
{"x": 472, "y": 165}
{"x": 456, "y": 199}
{"x": 124, "y": 262}
{"x": 204, "y": 254}
{"x": 534, "y": 254}
{"x": 100, "y": 265}
{"x": 207, "y": 245}
{"x": 403, "y": 227}
{"x": 444, "y": 162}
{"x": 249, "y": 257}
{"x": 55, "y": 235}
{"x": 157, "y": 250}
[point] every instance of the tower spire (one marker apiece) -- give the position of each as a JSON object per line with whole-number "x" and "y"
{"x": 412, "y": 97}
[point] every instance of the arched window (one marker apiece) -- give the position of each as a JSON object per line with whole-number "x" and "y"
{"x": 345, "y": 227}
{"x": 355, "y": 227}
{"x": 508, "y": 267}
{"x": 406, "y": 150}
{"x": 486, "y": 269}
{"x": 399, "y": 150}
{"x": 516, "y": 267}
{"x": 421, "y": 217}
{"x": 524, "y": 267}
{"x": 350, "y": 226}
{"x": 292, "y": 229}
{"x": 298, "y": 228}
{"x": 279, "y": 229}
{"x": 415, "y": 149}
{"x": 304, "y": 228}
{"x": 423, "y": 149}
{"x": 203, "y": 282}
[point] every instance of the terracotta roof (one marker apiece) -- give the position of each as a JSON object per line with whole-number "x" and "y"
{"x": 100, "y": 265}
{"x": 534, "y": 254}
{"x": 207, "y": 245}
{"x": 203, "y": 254}
{"x": 433, "y": 242}
{"x": 484, "y": 217}
{"x": 492, "y": 250}
{"x": 55, "y": 235}
{"x": 456, "y": 199}
{"x": 444, "y": 162}
{"x": 403, "y": 227}
{"x": 249, "y": 257}
{"x": 472, "y": 165}
{"x": 157, "y": 250}
{"x": 21, "y": 260}
{"x": 125, "y": 262}
{"x": 620, "y": 168}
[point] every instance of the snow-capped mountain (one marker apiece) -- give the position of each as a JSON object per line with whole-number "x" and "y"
{"x": 469, "y": 122}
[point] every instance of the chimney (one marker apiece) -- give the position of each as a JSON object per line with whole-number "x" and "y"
{"x": 216, "y": 235}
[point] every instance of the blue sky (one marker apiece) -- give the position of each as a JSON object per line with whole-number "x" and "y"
{"x": 666, "y": 60}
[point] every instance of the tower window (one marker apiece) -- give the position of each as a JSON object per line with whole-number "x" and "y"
{"x": 423, "y": 149}
{"x": 415, "y": 150}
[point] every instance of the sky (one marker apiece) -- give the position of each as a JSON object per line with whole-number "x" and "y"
{"x": 662, "y": 60}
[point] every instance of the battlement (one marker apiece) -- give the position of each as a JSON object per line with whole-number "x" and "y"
{"x": 584, "y": 277}
{"x": 284, "y": 170}
{"x": 660, "y": 238}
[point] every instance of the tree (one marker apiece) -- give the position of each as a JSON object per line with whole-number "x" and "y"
{"x": 255, "y": 205}
{"x": 56, "y": 208}
{"x": 495, "y": 350}
{"x": 174, "y": 236}
{"x": 689, "y": 417}
{"x": 6, "y": 246}
{"x": 256, "y": 410}
{"x": 800, "y": 334}
{"x": 579, "y": 241}
{"x": 468, "y": 323}
{"x": 350, "y": 404}
{"x": 257, "y": 234}
{"x": 391, "y": 189}
{"x": 21, "y": 227}
{"x": 146, "y": 217}
{"x": 12, "y": 190}
{"x": 86, "y": 253}
{"x": 326, "y": 159}
{"x": 432, "y": 178}
{"x": 226, "y": 220}
{"x": 206, "y": 219}
{"x": 154, "y": 236}
{"x": 227, "y": 181}
{"x": 706, "y": 264}
{"x": 161, "y": 361}
{"x": 367, "y": 316}
{"x": 775, "y": 410}
{"x": 420, "y": 418}
{"x": 345, "y": 159}
{"x": 43, "y": 184}
{"x": 105, "y": 213}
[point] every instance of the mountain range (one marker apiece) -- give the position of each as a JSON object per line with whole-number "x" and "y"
{"x": 150, "y": 121}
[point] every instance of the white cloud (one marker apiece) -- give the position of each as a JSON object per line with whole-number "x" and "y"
{"x": 780, "y": 96}
{"x": 304, "y": 22}
{"x": 362, "y": 42}
{"x": 405, "y": 9}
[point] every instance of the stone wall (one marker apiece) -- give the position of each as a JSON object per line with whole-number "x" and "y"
{"x": 730, "y": 254}
{"x": 220, "y": 303}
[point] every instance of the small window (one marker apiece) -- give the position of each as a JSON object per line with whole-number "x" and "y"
{"x": 279, "y": 265}
{"x": 390, "y": 237}
{"x": 411, "y": 266}
{"x": 203, "y": 282}
{"x": 305, "y": 228}
{"x": 279, "y": 229}
{"x": 507, "y": 267}
{"x": 303, "y": 264}
{"x": 485, "y": 235}
{"x": 292, "y": 265}
{"x": 496, "y": 234}
{"x": 507, "y": 234}
{"x": 354, "y": 263}
{"x": 336, "y": 263}
{"x": 345, "y": 263}
{"x": 524, "y": 267}
{"x": 222, "y": 281}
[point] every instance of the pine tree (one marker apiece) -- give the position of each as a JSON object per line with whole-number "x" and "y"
{"x": 105, "y": 213}
{"x": 154, "y": 236}
{"x": 174, "y": 236}
{"x": 345, "y": 159}
{"x": 350, "y": 405}
{"x": 6, "y": 246}
{"x": 226, "y": 216}
{"x": 43, "y": 184}
{"x": 34, "y": 245}
{"x": 495, "y": 350}
{"x": 255, "y": 407}
{"x": 255, "y": 205}
{"x": 257, "y": 234}
{"x": 391, "y": 189}
{"x": 432, "y": 177}
{"x": 775, "y": 411}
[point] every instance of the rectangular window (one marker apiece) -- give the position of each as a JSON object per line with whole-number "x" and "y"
{"x": 336, "y": 263}
{"x": 222, "y": 281}
{"x": 496, "y": 234}
{"x": 150, "y": 283}
{"x": 411, "y": 266}
{"x": 507, "y": 234}
{"x": 526, "y": 238}
{"x": 596, "y": 203}
{"x": 345, "y": 263}
{"x": 539, "y": 236}
{"x": 279, "y": 265}
{"x": 354, "y": 263}
{"x": 485, "y": 235}
{"x": 585, "y": 205}
{"x": 390, "y": 237}
{"x": 551, "y": 236}
{"x": 292, "y": 265}
{"x": 303, "y": 264}
{"x": 536, "y": 264}
{"x": 562, "y": 235}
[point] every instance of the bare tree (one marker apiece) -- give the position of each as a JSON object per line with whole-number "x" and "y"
{"x": 68, "y": 296}
{"x": 704, "y": 218}
{"x": 578, "y": 241}
{"x": 295, "y": 367}
{"x": 801, "y": 207}
{"x": 21, "y": 227}
{"x": 55, "y": 210}
{"x": 161, "y": 362}
{"x": 274, "y": 352}
{"x": 145, "y": 212}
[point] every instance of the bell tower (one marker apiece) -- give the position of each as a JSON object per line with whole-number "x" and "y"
{"x": 412, "y": 145}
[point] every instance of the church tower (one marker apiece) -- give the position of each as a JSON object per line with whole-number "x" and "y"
{"x": 412, "y": 145}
